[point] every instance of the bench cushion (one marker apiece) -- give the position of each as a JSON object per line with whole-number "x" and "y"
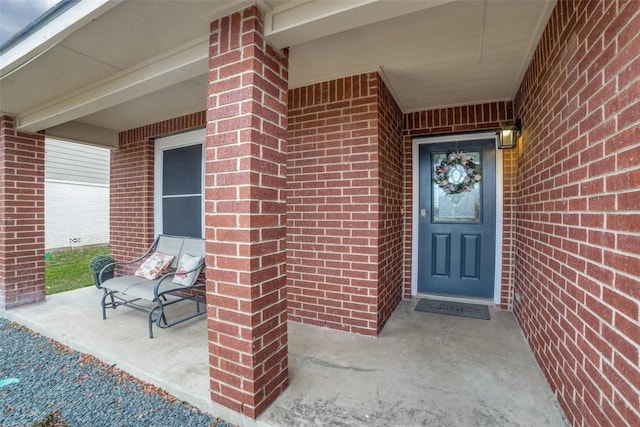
{"x": 186, "y": 264}
{"x": 154, "y": 266}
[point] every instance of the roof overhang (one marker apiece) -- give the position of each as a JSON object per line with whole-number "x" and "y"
{"x": 96, "y": 68}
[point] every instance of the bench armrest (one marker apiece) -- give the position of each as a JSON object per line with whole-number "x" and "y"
{"x": 173, "y": 273}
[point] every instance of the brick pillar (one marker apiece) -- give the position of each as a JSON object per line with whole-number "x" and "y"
{"x": 245, "y": 215}
{"x": 21, "y": 216}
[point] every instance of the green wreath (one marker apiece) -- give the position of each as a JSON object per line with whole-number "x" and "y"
{"x": 457, "y": 173}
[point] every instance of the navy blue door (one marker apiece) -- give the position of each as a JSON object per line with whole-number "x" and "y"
{"x": 456, "y": 232}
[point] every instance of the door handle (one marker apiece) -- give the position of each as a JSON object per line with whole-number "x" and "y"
{"x": 423, "y": 213}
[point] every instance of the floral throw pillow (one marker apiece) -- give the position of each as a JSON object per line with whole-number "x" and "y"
{"x": 187, "y": 263}
{"x": 154, "y": 266}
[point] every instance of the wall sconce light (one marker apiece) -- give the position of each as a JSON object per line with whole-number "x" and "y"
{"x": 508, "y": 136}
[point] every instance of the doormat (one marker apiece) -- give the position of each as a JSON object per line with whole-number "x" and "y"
{"x": 474, "y": 311}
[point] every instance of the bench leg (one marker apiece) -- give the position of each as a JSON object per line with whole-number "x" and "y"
{"x": 161, "y": 319}
{"x": 151, "y": 321}
{"x": 104, "y": 303}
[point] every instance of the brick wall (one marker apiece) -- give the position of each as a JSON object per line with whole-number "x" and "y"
{"x": 391, "y": 202}
{"x": 578, "y": 198}
{"x": 461, "y": 119}
{"x": 132, "y": 185}
{"x": 246, "y": 151}
{"x": 21, "y": 216}
{"x": 332, "y": 206}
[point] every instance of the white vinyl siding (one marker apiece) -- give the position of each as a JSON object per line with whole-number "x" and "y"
{"x": 75, "y": 214}
{"x": 67, "y": 161}
{"x": 76, "y": 192}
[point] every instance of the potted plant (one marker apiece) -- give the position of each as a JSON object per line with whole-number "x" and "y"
{"x": 96, "y": 265}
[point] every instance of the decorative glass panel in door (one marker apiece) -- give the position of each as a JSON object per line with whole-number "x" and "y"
{"x": 460, "y": 207}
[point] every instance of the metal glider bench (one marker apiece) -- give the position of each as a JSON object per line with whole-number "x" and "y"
{"x": 152, "y": 296}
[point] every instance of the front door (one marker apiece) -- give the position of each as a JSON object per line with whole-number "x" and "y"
{"x": 456, "y": 230}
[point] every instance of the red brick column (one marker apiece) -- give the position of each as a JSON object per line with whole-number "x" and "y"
{"x": 245, "y": 215}
{"x": 21, "y": 216}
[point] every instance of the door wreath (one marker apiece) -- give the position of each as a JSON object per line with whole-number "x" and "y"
{"x": 457, "y": 173}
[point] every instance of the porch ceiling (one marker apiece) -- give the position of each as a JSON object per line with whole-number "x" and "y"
{"x": 96, "y": 68}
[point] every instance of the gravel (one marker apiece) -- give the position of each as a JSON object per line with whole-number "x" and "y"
{"x": 61, "y": 387}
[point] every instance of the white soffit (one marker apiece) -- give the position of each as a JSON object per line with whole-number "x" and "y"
{"x": 80, "y": 132}
{"x": 32, "y": 87}
{"x": 185, "y": 97}
{"x": 137, "y": 30}
{"x": 120, "y": 54}
{"x": 143, "y": 61}
{"x": 52, "y": 33}
{"x": 456, "y": 53}
{"x": 181, "y": 64}
{"x": 296, "y": 21}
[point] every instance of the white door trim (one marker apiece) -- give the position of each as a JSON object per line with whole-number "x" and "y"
{"x": 416, "y": 142}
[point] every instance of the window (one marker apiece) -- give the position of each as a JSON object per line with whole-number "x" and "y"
{"x": 179, "y": 182}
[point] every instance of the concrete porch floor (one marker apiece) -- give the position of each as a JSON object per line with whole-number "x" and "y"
{"x": 423, "y": 370}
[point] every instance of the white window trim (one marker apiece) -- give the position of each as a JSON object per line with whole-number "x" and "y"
{"x": 497, "y": 287}
{"x": 168, "y": 143}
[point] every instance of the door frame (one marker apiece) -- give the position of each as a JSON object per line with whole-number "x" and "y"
{"x": 416, "y": 142}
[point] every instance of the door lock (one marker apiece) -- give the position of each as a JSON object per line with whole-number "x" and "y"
{"x": 423, "y": 213}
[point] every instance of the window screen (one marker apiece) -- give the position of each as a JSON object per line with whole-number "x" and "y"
{"x": 182, "y": 191}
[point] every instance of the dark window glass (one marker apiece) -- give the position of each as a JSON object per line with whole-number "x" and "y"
{"x": 182, "y": 170}
{"x": 182, "y": 216}
{"x": 182, "y": 191}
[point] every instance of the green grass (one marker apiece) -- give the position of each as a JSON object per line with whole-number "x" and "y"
{"x": 68, "y": 270}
